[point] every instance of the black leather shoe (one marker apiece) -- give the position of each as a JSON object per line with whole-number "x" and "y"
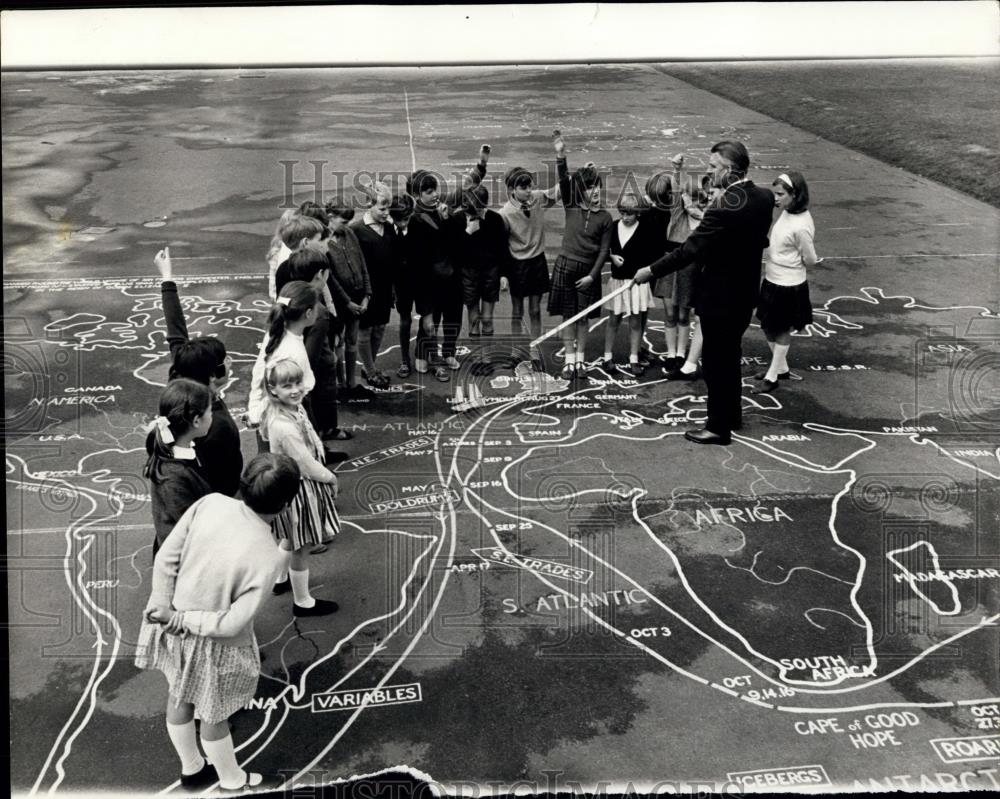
{"x": 334, "y": 456}
{"x": 705, "y": 436}
{"x": 200, "y": 779}
{"x": 677, "y": 374}
{"x": 268, "y": 782}
{"x": 323, "y": 607}
{"x": 282, "y": 588}
{"x": 781, "y": 376}
{"x": 765, "y": 387}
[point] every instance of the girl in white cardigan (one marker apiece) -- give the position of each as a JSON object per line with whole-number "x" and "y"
{"x": 210, "y": 578}
{"x": 784, "y": 303}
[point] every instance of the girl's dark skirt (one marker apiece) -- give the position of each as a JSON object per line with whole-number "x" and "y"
{"x": 784, "y": 308}
{"x": 565, "y": 299}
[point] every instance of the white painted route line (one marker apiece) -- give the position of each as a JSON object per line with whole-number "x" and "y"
{"x": 984, "y": 622}
{"x": 451, "y": 538}
{"x": 409, "y": 130}
{"x": 86, "y": 605}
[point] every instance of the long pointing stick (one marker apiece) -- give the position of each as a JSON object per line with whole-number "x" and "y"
{"x": 581, "y": 314}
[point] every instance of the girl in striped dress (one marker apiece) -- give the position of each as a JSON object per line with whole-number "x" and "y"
{"x": 311, "y": 517}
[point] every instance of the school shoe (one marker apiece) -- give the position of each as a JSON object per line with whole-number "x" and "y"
{"x": 677, "y": 374}
{"x": 762, "y": 374}
{"x": 765, "y": 387}
{"x": 323, "y": 607}
{"x": 359, "y": 392}
{"x": 200, "y": 779}
{"x": 420, "y": 366}
{"x": 487, "y": 329}
{"x": 282, "y": 587}
{"x": 644, "y": 358}
{"x": 331, "y": 456}
{"x": 452, "y": 362}
{"x": 608, "y": 365}
{"x": 637, "y": 369}
{"x": 268, "y": 782}
{"x": 441, "y": 374}
{"x": 703, "y": 435}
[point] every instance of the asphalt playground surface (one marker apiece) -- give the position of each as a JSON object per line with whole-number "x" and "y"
{"x": 704, "y": 606}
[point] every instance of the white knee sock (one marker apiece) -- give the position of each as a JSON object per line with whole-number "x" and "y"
{"x": 185, "y": 741}
{"x": 285, "y": 556}
{"x": 300, "y": 588}
{"x": 221, "y": 755}
{"x": 779, "y": 361}
{"x": 670, "y": 336}
{"x": 683, "y": 337}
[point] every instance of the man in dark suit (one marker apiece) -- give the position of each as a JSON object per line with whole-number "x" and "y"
{"x": 727, "y": 246}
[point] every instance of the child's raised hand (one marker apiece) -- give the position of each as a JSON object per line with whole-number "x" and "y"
{"x": 484, "y": 153}
{"x": 558, "y": 143}
{"x": 443, "y": 210}
{"x": 163, "y": 265}
{"x": 678, "y": 161}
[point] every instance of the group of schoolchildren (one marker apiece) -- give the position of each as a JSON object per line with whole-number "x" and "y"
{"x": 226, "y": 537}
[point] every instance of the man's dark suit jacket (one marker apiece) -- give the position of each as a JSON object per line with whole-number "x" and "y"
{"x": 727, "y": 246}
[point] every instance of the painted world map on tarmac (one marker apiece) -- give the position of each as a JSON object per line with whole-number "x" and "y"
{"x": 539, "y": 572}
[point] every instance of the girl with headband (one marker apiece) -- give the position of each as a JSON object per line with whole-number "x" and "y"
{"x": 784, "y": 303}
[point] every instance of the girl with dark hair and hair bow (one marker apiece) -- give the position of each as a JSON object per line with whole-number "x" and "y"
{"x": 784, "y": 303}
{"x": 176, "y": 479}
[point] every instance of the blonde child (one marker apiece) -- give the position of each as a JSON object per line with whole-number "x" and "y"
{"x": 176, "y": 479}
{"x": 210, "y": 579}
{"x": 311, "y": 518}
{"x": 380, "y": 246}
{"x": 294, "y": 311}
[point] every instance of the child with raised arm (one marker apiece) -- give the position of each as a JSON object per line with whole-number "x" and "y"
{"x": 634, "y": 243}
{"x": 204, "y": 360}
{"x": 436, "y": 280}
{"x": 469, "y": 179}
{"x": 784, "y": 303}
{"x": 527, "y": 269}
{"x": 311, "y": 518}
{"x": 676, "y": 290}
{"x": 481, "y": 251}
{"x": 176, "y": 478}
{"x": 576, "y": 279}
{"x": 210, "y": 579}
{"x": 293, "y": 312}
